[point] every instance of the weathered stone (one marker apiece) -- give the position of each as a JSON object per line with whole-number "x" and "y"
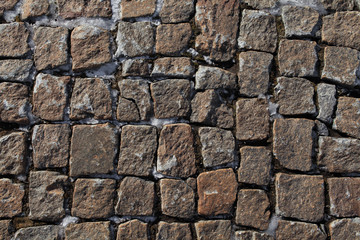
{"x": 171, "y": 98}
{"x": 298, "y": 231}
{"x": 50, "y": 97}
{"x": 137, "y": 8}
{"x": 255, "y": 165}
{"x": 347, "y": 118}
{"x": 300, "y": 196}
{"x": 133, "y": 229}
{"x": 338, "y": 5}
{"x": 191, "y": 181}
{"x": 217, "y": 192}
{"x": 135, "y": 67}
{"x": 51, "y": 48}
{"x": 341, "y": 29}
{"x": 51, "y": 144}
{"x": 84, "y": 8}
{"x": 173, "y": 67}
{"x": 139, "y": 92}
{"x": 5, "y": 229}
{"x": 252, "y": 235}
{"x": 213, "y": 230}
{"x": 321, "y": 128}
{"x": 218, "y": 23}
{"x": 135, "y": 39}
{"x": 298, "y": 58}
{"x": 135, "y": 197}
{"x": 257, "y": 31}
{"x": 46, "y": 196}
{"x": 47, "y": 232}
{"x": 345, "y": 229}
{"x": 260, "y": 4}
{"x": 213, "y": 78}
{"x": 88, "y": 231}
{"x": 176, "y": 154}
{"x": 137, "y": 150}
{"x": 14, "y": 38}
{"x": 173, "y": 231}
{"x": 11, "y": 196}
{"x": 253, "y": 209}
{"x": 217, "y": 146}
{"x": 90, "y": 98}
{"x": 295, "y": 96}
{"x": 326, "y": 98}
{"x": 254, "y": 73}
{"x": 15, "y": 70}
{"x": 127, "y": 111}
{"x": 7, "y": 5}
{"x": 93, "y": 198}
{"x": 252, "y": 119}
{"x": 174, "y": 11}
{"x": 13, "y": 153}
{"x": 344, "y": 194}
{"x": 171, "y": 39}
{"x": 35, "y": 8}
{"x": 300, "y": 21}
{"x": 177, "y": 198}
{"x": 14, "y": 103}
{"x": 293, "y": 143}
{"x": 93, "y": 149}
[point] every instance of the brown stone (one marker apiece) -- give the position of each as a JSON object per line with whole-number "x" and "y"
{"x": 90, "y": 99}
{"x": 213, "y": 230}
{"x": 90, "y": 47}
{"x": 174, "y": 230}
{"x": 11, "y": 196}
{"x": 217, "y": 192}
{"x": 347, "y": 118}
{"x": 5, "y": 229}
{"x": 137, "y": 150}
{"x": 338, "y": 5}
{"x": 46, "y": 232}
{"x": 136, "y": 67}
{"x": 345, "y": 229}
{"x": 7, "y": 5}
{"x": 260, "y": 4}
{"x": 295, "y": 96}
{"x": 218, "y": 23}
{"x": 88, "y": 231}
{"x": 298, "y": 231}
{"x": 252, "y": 119}
{"x": 254, "y": 73}
{"x": 255, "y": 165}
{"x": 252, "y": 235}
{"x": 300, "y": 196}
{"x": 15, "y": 70}
{"x": 84, "y": 8}
{"x": 35, "y": 8}
{"x": 127, "y": 111}
{"x": 14, "y": 103}
{"x": 173, "y": 67}
{"x": 172, "y": 38}
{"x": 93, "y": 149}
{"x": 176, "y": 154}
{"x": 137, "y": 8}
{"x": 293, "y": 143}
{"x": 135, "y": 197}
{"x": 213, "y": 78}
{"x": 326, "y": 99}
{"x": 50, "y": 97}
{"x": 14, "y": 38}
{"x": 93, "y": 198}
{"x": 13, "y": 153}
{"x": 133, "y": 229}
{"x": 177, "y": 198}
{"x": 51, "y": 143}
{"x": 171, "y": 98}
{"x": 257, "y": 31}
{"x": 174, "y": 11}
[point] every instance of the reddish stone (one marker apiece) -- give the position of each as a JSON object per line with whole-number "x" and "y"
{"x": 84, "y": 8}
{"x": 298, "y": 231}
{"x": 35, "y": 8}
{"x": 11, "y": 196}
{"x": 14, "y": 38}
{"x": 137, "y": 8}
{"x": 341, "y": 229}
{"x": 173, "y": 231}
{"x": 88, "y": 230}
{"x": 171, "y": 39}
{"x": 133, "y": 229}
{"x": 347, "y": 118}
{"x": 13, "y": 153}
{"x": 213, "y": 230}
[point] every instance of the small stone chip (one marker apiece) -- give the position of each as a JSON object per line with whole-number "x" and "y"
{"x": 14, "y": 38}
{"x": 171, "y": 39}
{"x": 133, "y": 229}
{"x": 345, "y": 229}
{"x": 15, "y": 70}
{"x": 214, "y": 78}
{"x": 13, "y": 149}
{"x": 347, "y": 118}
{"x": 11, "y": 196}
{"x": 84, "y": 8}
{"x": 46, "y": 232}
{"x": 137, "y": 8}
{"x": 88, "y": 230}
{"x": 35, "y": 8}
{"x": 213, "y": 230}
{"x": 5, "y": 229}
{"x": 181, "y": 67}
{"x": 298, "y": 231}
{"x": 326, "y": 98}
{"x": 173, "y": 231}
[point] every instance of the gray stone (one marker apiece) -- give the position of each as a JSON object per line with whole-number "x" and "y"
{"x": 172, "y": 39}
{"x": 213, "y": 78}
{"x": 181, "y": 67}
{"x": 133, "y": 229}
{"x": 47, "y": 232}
{"x": 14, "y": 38}
{"x": 345, "y": 229}
{"x": 347, "y": 118}
{"x": 321, "y": 128}
{"x": 7, "y": 5}
{"x": 127, "y": 111}
{"x": 326, "y": 98}
{"x": 135, "y": 67}
{"x": 13, "y": 149}
{"x": 88, "y": 231}
{"x": 260, "y": 4}
{"x": 11, "y": 198}
{"x": 137, "y": 8}
{"x": 174, "y": 11}
{"x": 298, "y": 231}
{"x": 173, "y": 231}
{"x": 15, "y": 70}
{"x": 213, "y": 230}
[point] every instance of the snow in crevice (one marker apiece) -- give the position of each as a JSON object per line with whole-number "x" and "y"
{"x": 314, "y": 4}
{"x": 274, "y": 221}
{"x": 105, "y": 71}
{"x": 11, "y": 15}
{"x": 68, "y": 220}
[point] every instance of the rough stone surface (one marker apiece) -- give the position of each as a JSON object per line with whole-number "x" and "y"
{"x": 47, "y": 232}
{"x": 252, "y": 235}
{"x": 345, "y": 229}
{"x": 173, "y": 231}
{"x": 11, "y": 196}
{"x": 300, "y": 196}
{"x": 177, "y": 198}
{"x": 15, "y": 70}
{"x": 174, "y": 11}
{"x": 344, "y": 194}
{"x": 133, "y": 229}
{"x": 84, "y": 8}
{"x": 293, "y": 143}
{"x": 93, "y": 149}
{"x": 136, "y": 67}
{"x": 127, "y": 111}
{"x": 347, "y": 118}
{"x": 213, "y": 78}
{"x": 298, "y": 58}
{"x": 5, "y": 229}
{"x": 338, "y": 5}
{"x": 88, "y": 230}
{"x": 321, "y": 128}
{"x": 135, "y": 197}
{"x": 298, "y": 231}
{"x": 46, "y": 196}
{"x": 176, "y": 154}
{"x": 216, "y": 191}
{"x": 253, "y": 209}
{"x": 217, "y": 146}
{"x": 51, "y": 145}
{"x": 295, "y": 96}
{"x": 171, "y": 98}
{"x": 252, "y": 119}
{"x": 260, "y": 4}
{"x": 218, "y": 23}
{"x": 137, "y": 150}
{"x": 13, "y": 153}
{"x": 93, "y": 198}
{"x": 90, "y": 98}
{"x": 213, "y": 230}
{"x": 257, "y": 31}
{"x": 14, "y": 38}
{"x": 137, "y": 8}
{"x": 254, "y": 73}
{"x": 173, "y": 67}
{"x": 172, "y": 38}
{"x": 326, "y": 98}
{"x": 7, "y": 5}
{"x": 255, "y": 165}
{"x": 50, "y": 97}
{"x": 35, "y": 8}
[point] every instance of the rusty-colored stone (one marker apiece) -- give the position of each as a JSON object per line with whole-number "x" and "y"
{"x": 35, "y": 8}
{"x": 127, "y": 111}
{"x": 181, "y": 67}
{"x": 88, "y": 230}
{"x": 137, "y": 8}
{"x": 84, "y": 8}
{"x": 213, "y": 230}
{"x": 252, "y": 235}
{"x": 298, "y": 231}
{"x": 173, "y": 231}
{"x": 345, "y": 229}
{"x": 13, "y": 153}
{"x": 171, "y": 39}
{"x": 347, "y": 118}
{"x": 174, "y": 11}
{"x": 5, "y": 229}
{"x": 14, "y": 38}
{"x": 133, "y": 229}
{"x": 136, "y": 67}
{"x": 11, "y": 196}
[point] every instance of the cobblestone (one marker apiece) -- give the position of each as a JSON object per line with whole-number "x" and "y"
{"x": 13, "y": 149}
